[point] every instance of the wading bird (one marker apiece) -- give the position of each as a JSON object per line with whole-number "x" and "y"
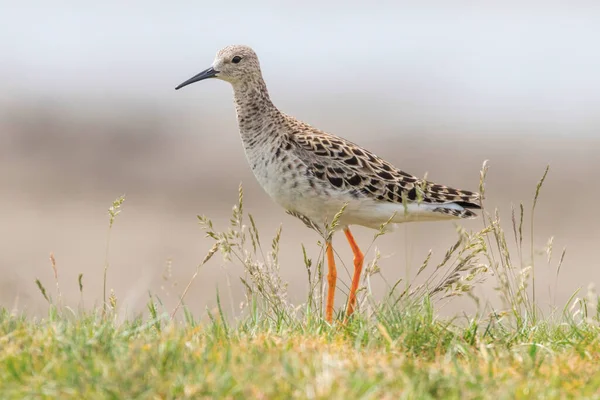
{"x": 313, "y": 174}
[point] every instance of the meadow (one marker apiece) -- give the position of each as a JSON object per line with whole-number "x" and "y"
{"x": 396, "y": 346}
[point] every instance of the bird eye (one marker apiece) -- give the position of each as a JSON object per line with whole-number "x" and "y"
{"x": 236, "y": 59}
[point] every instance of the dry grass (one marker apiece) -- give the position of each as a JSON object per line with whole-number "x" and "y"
{"x": 397, "y": 347}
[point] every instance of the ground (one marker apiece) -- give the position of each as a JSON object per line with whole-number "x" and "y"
{"x": 407, "y": 354}
{"x": 398, "y": 346}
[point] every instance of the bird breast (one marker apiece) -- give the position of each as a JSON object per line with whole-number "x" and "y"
{"x": 286, "y": 179}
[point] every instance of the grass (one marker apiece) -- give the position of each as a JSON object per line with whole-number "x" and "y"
{"x": 410, "y": 354}
{"x": 395, "y": 347}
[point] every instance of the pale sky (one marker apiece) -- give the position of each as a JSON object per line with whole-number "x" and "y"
{"x": 541, "y": 58}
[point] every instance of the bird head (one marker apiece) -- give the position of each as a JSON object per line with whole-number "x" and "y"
{"x": 234, "y": 64}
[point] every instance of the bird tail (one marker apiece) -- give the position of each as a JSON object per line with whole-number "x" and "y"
{"x": 444, "y": 196}
{"x": 453, "y": 202}
{"x": 456, "y": 212}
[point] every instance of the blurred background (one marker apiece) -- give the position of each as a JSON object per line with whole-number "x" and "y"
{"x": 88, "y": 112}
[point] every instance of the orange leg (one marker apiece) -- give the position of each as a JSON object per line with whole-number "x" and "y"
{"x": 358, "y": 264}
{"x": 331, "y": 280}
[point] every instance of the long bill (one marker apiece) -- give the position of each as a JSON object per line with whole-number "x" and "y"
{"x": 207, "y": 73}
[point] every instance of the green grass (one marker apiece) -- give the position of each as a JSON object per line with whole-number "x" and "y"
{"x": 396, "y": 347}
{"x": 407, "y": 354}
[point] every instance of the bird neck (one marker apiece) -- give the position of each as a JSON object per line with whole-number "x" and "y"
{"x": 255, "y": 112}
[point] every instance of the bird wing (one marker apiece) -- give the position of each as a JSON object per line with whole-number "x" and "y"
{"x": 346, "y": 166}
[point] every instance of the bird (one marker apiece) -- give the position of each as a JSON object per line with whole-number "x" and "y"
{"x": 317, "y": 176}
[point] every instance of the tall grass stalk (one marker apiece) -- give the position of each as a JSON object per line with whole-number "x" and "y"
{"x": 535, "y": 199}
{"x": 113, "y": 211}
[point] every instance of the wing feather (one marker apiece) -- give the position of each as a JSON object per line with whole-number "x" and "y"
{"x": 346, "y": 166}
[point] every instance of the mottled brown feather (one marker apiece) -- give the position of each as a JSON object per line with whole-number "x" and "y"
{"x": 346, "y": 166}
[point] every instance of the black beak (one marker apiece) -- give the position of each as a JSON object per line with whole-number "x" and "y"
{"x": 207, "y": 73}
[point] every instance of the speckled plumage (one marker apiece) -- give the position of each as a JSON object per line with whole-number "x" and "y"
{"x": 313, "y": 174}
